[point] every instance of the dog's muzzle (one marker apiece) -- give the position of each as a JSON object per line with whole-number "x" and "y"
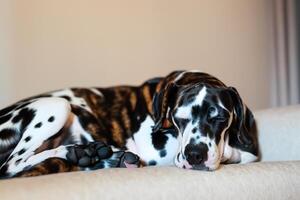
{"x": 196, "y": 155}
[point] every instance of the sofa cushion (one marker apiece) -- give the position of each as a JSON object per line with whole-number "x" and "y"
{"x": 279, "y": 133}
{"x": 269, "y": 180}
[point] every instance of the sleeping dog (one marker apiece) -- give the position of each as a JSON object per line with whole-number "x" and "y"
{"x": 188, "y": 119}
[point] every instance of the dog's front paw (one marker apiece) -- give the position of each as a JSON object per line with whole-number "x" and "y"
{"x": 88, "y": 155}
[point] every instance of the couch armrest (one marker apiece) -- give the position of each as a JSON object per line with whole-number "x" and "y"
{"x": 279, "y": 133}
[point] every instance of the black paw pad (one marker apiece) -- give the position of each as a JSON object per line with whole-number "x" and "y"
{"x": 84, "y": 161}
{"x": 129, "y": 160}
{"x": 104, "y": 152}
{"x": 71, "y": 155}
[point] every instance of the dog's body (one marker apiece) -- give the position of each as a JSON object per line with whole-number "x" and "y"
{"x": 161, "y": 122}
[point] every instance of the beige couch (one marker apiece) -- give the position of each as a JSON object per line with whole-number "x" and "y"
{"x": 276, "y": 177}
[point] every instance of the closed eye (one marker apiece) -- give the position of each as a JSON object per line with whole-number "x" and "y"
{"x": 219, "y": 119}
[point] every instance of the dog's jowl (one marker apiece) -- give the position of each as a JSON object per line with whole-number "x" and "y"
{"x": 188, "y": 119}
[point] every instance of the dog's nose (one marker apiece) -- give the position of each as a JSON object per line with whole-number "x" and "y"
{"x": 196, "y": 153}
{"x": 194, "y": 157}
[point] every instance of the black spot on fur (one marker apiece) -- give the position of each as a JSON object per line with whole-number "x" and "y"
{"x": 152, "y": 162}
{"x": 5, "y": 118}
{"x": 16, "y": 119}
{"x": 27, "y": 139}
{"x": 83, "y": 105}
{"x": 28, "y": 116}
{"x": 194, "y": 130}
{"x": 18, "y": 161}
{"x": 25, "y": 115}
{"x": 162, "y": 153}
{"x": 209, "y": 144}
{"x": 21, "y": 151}
{"x": 38, "y": 125}
{"x": 159, "y": 139}
{"x": 197, "y": 137}
{"x": 51, "y": 119}
{"x": 195, "y": 112}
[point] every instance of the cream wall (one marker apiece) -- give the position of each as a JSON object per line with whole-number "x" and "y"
{"x": 61, "y": 43}
{"x": 6, "y": 51}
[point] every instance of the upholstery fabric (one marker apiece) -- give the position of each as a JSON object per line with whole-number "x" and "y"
{"x": 278, "y": 180}
{"x": 279, "y": 134}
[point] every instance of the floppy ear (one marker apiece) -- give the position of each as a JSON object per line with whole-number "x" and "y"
{"x": 243, "y": 133}
{"x": 164, "y": 100}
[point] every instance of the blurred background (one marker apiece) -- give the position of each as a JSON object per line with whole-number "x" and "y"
{"x": 52, "y": 44}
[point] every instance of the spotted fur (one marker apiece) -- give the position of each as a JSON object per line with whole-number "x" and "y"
{"x": 188, "y": 118}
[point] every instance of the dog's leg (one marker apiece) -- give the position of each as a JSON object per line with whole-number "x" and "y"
{"x": 49, "y": 166}
{"x": 95, "y": 155}
{"x": 38, "y": 163}
{"x": 28, "y": 127}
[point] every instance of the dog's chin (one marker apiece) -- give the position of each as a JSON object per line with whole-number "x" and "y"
{"x": 203, "y": 167}
{"x": 200, "y": 167}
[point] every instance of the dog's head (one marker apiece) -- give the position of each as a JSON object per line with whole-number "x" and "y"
{"x": 205, "y": 116}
